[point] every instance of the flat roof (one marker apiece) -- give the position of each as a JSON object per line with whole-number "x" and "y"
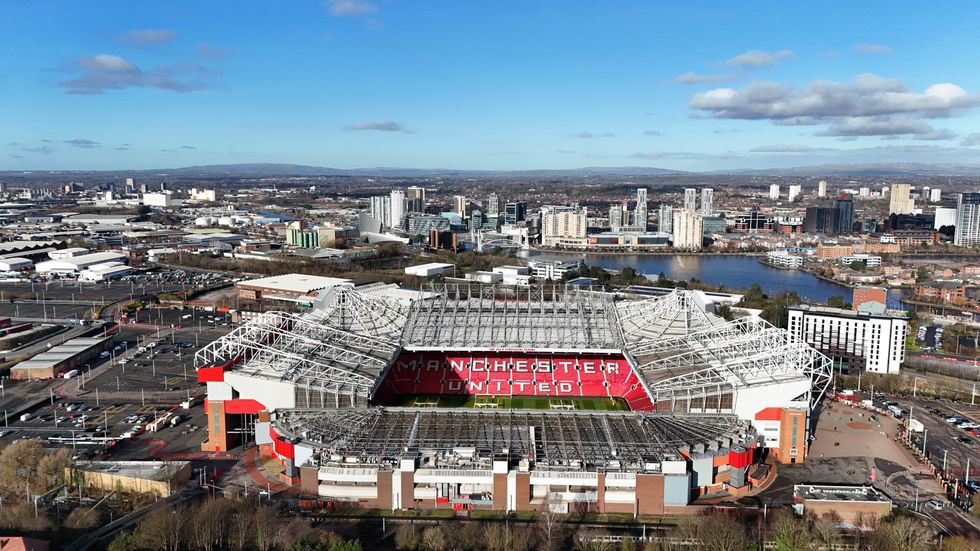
{"x": 160, "y": 471}
{"x": 60, "y": 353}
{"x": 853, "y": 314}
{"x": 295, "y": 283}
{"x": 840, "y": 493}
{"x": 86, "y": 259}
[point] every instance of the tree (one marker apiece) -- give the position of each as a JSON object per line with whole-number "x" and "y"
{"x": 902, "y": 534}
{"x": 266, "y": 523}
{"x": 163, "y": 529}
{"x": 723, "y": 533}
{"x": 788, "y": 532}
{"x": 434, "y": 539}
{"x": 858, "y": 265}
{"x": 725, "y": 311}
{"x": 406, "y": 538}
{"x": 837, "y": 301}
{"x": 83, "y": 518}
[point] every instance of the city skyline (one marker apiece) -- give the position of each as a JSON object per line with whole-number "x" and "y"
{"x": 353, "y": 83}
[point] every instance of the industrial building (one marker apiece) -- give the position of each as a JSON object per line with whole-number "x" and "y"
{"x": 62, "y": 358}
{"x": 76, "y": 264}
{"x": 15, "y": 264}
{"x": 325, "y": 392}
{"x": 297, "y": 288}
{"x": 163, "y": 478}
{"x": 852, "y": 504}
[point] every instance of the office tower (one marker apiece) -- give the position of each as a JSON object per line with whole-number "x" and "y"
{"x": 459, "y": 205}
{"x": 492, "y": 208}
{"x": 934, "y": 195}
{"x": 774, "y": 191}
{"x": 818, "y": 220}
{"x": 665, "y": 219}
{"x": 615, "y": 217}
{"x": 415, "y": 199}
{"x": 967, "y": 220}
{"x": 843, "y": 215}
{"x": 380, "y": 207}
{"x": 707, "y": 198}
{"x": 515, "y": 212}
{"x": 563, "y": 226}
{"x": 691, "y": 199}
{"x": 864, "y": 192}
{"x": 688, "y": 230}
{"x": 822, "y": 189}
{"x": 901, "y": 200}
{"x": 396, "y": 208}
{"x": 794, "y": 191}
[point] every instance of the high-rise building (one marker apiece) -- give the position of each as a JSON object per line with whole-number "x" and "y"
{"x": 967, "y": 220}
{"x": 707, "y": 200}
{"x": 665, "y": 219}
{"x": 794, "y": 191}
{"x": 864, "y": 192}
{"x": 396, "y": 208}
{"x": 944, "y": 217}
{"x": 822, "y": 189}
{"x": 901, "y": 201}
{"x": 774, "y": 191}
{"x": 843, "y": 215}
{"x": 935, "y": 194}
{"x": 818, "y": 220}
{"x": 459, "y": 205}
{"x": 381, "y": 208}
{"x": 615, "y": 217}
{"x": 563, "y": 226}
{"x": 492, "y": 208}
{"x": 871, "y": 338}
{"x": 691, "y": 199}
{"x": 640, "y": 215}
{"x": 688, "y": 230}
{"x": 415, "y": 199}
{"x": 515, "y": 212}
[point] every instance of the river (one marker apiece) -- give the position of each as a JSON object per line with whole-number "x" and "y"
{"x": 734, "y": 272}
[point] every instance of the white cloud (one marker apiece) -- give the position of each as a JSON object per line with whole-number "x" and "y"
{"x": 83, "y": 143}
{"x": 591, "y": 135}
{"x": 382, "y": 126}
{"x": 869, "y": 106}
{"x": 99, "y": 73}
{"x": 756, "y": 59}
{"x": 864, "y": 48}
{"x": 351, "y": 8}
{"x": 695, "y": 78}
{"x": 141, "y": 38}
{"x": 971, "y": 140}
{"x": 782, "y": 148}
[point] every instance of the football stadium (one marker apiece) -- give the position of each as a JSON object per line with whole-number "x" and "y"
{"x": 513, "y": 399}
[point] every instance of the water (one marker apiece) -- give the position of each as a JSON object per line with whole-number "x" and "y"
{"x": 734, "y": 272}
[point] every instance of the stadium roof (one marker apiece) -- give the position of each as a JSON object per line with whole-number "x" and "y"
{"x": 295, "y": 283}
{"x": 549, "y": 439}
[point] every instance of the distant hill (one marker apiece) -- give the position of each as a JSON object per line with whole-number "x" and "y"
{"x": 279, "y": 169}
{"x": 868, "y": 169}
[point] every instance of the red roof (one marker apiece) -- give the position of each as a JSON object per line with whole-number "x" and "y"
{"x": 769, "y": 414}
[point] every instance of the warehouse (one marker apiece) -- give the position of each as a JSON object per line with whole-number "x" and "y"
{"x": 76, "y": 264}
{"x": 299, "y": 288}
{"x": 105, "y": 272}
{"x": 71, "y": 355}
{"x": 429, "y": 270}
{"x": 15, "y": 264}
{"x": 162, "y": 478}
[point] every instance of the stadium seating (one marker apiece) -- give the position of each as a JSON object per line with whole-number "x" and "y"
{"x": 415, "y": 373}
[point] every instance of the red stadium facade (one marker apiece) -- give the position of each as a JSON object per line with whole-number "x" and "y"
{"x": 514, "y": 374}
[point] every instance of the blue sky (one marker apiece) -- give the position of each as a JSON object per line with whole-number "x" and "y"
{"x": 486, "y": 85}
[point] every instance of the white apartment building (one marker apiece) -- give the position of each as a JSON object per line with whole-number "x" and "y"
{"x": 822, "y": 189}
{"x": 396, "y": 208}
{"x": 774, "y": 191}
{"x": 967, "y": 220}
{"x": 707, "y": 201}
{"x": 784, "y": 259}
{"x": 688, "y": 230}
{"x": 564, "y": 226}
{"x": 794, "y": 192}
{"x": 691, "y": 199}
{"x": 871, "y": 338}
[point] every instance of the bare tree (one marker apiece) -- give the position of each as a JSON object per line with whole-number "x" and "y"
{"x": 266, "y": 527}
{"x": 722, "y": 533}
{"x": 789, "y": 532}
{"x": 163, "y": 529}
{"x": 902, "y": 534}
{"x": 434, "y": 539}
{"x": 406, "y": 538}
{"x": 83, "y": 517}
